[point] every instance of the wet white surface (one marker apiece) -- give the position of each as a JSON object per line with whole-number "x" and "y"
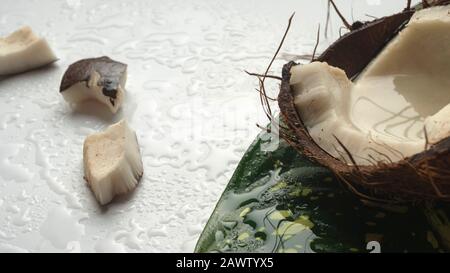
{"x": 192, "y": 106}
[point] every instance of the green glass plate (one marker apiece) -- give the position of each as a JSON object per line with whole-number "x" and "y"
{"x": 281, "y": 202}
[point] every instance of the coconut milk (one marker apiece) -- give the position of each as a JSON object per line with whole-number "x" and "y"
{"x": 396, "y": 105}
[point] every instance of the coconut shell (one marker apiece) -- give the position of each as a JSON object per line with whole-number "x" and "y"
{"x": 424, "y": 176}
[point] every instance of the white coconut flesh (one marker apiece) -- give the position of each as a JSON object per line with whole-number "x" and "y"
{"x": 92, "y": 90}
{"x": 398, "y": 103}
{"x": 112, "y": 162}
{"x": 22, "y": 51}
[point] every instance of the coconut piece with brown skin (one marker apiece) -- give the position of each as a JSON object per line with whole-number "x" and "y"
{"x": 314, "y": 95}
{"x": 22, "y": 51}
{"x": 112, "y": 162}
{"x": 101, "y": 79}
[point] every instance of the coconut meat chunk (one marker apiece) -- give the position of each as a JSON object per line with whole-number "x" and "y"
{"x": 101, "y": 79}
{"x": 112, "y": 162}
{"x": 23, "y": 50}
{"x": 401, "y": 100}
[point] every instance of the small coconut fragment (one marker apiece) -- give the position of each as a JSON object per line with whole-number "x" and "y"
{"x": 101, "y": 79}
{"x": 23, "y": 50}
{"x": 112, "y": 162}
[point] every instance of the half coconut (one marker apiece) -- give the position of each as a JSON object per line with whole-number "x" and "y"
{"x": 387, "y": 132}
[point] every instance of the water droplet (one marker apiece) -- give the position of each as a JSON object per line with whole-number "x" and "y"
{"x": 61, "y": 227}
{"x": 8, "y": 169}
{"x": 22, "y": 219}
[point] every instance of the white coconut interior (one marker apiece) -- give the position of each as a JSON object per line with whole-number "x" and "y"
{"x": 382, "y": 116}
{"x": 91, "y": 90}
{"x": 112, "y": 161}
{"x": 22, "y": 51}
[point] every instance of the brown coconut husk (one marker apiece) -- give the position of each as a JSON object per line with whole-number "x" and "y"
{"x": 421, "y": 177}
